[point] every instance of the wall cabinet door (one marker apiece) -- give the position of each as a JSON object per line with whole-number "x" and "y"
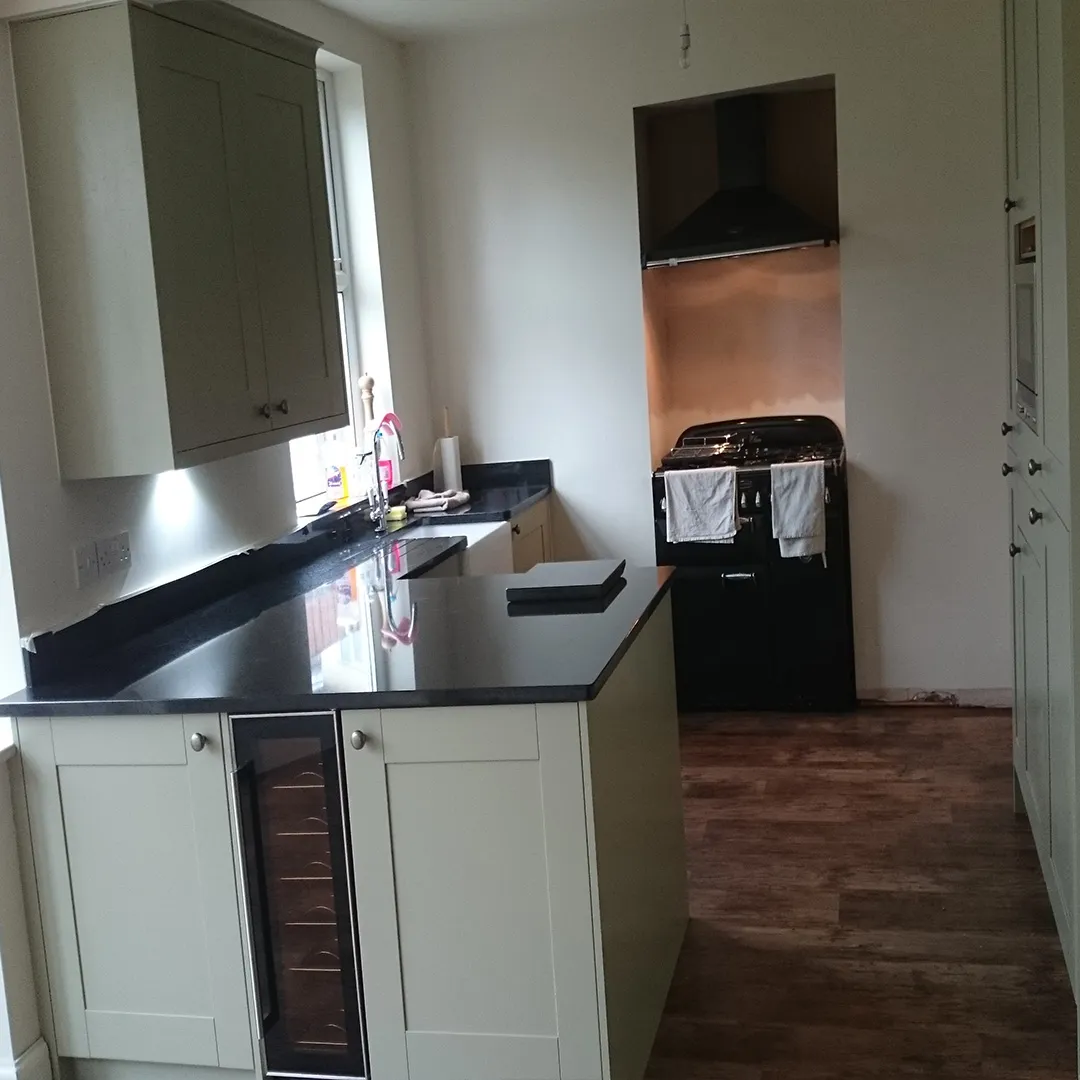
{"x": 189, "y": 105}
{"x": 1022, "y": 104}
{"x": 473, "y": 893}
{"x": 290, "y": 230}
{"x": 133, "y": 859}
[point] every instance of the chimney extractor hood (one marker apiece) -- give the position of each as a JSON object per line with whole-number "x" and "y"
{"x": 744, "y": 217}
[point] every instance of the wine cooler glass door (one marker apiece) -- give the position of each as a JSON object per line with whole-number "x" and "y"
{"x": 293, "y": 825}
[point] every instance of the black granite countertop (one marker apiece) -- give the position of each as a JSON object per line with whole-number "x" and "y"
{"x": 353, "y": 631}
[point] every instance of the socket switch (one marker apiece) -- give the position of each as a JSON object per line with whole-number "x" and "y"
{"x": 114, "y": 555}
{"x": 86, "y": 564}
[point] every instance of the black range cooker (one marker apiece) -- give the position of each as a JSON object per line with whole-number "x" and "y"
{"x": 754, "y": 630}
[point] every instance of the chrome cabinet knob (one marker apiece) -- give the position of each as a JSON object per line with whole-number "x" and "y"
{"x": 1006, "y": 468}
{"x": 198, "y": 742}
{"x": 1013, "y": 551}
{"x": 1011, "y": 204}
{"x": 1033, "y": 467}
{"x": 283, "y": 406}
{"x": 1034, "y": 515}
{"x": 265, "y": 411}
{"x": 1006, "y": 428}
{"x": 358, "y": 740}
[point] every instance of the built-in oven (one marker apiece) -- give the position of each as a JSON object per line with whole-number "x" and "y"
{"x": 298, "y": 885}
{"x": 1025, "y": 322}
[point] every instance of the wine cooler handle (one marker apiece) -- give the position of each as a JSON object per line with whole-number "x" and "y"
{"x": 258, "y": 900}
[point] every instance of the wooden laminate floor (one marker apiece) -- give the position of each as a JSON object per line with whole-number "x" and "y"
{"x": 864, "y": 904}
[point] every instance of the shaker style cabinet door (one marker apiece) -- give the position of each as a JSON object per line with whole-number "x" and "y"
{"x": 137, "y": 889}
{"x": 1022, "y": 104}
{"x": 285, "y": 183}
{"x": 473, "y": 895}
{"x": 190, "y": 108}
{"x": 1031, "y": 658}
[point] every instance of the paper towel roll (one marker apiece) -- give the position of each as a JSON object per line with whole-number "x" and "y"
{"x": 448, "y": 464}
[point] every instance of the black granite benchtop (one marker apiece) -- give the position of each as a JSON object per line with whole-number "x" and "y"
{"x": 352, "y": 631}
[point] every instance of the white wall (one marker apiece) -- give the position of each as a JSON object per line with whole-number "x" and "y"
{"x": 527, "y": 181}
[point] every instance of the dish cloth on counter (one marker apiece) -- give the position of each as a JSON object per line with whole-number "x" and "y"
{"x": 436, "y": 502}
{"x": 701, "y": 506}
{"x": 798, "y": 508}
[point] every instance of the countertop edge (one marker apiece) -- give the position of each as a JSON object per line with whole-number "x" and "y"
{"x": 662, "y": 590}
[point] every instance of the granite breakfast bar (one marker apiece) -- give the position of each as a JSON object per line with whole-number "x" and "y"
{"x": 513, "y": 832}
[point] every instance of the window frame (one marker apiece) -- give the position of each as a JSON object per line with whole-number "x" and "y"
{"x": 339, "y": 226}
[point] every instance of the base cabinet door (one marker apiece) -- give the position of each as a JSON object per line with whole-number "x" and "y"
{"x": 131, "y": 838}
{"x": 1032, "y": 668}
{"x": 473, "y": 893}
{"x": 532, "y": 538}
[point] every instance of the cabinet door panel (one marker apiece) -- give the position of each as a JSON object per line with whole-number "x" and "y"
{"x": 286, "y": 188}
{"x": 138, "y": 890}
{"x": 189, "y": 107}
{"x": 1062, "y": 747}
{"x": 1035, "y": 685}
{"x": 472, "y": 974}
{"x": 1022, "y": 102}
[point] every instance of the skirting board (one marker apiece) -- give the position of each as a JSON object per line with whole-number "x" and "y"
{"x": 998, "y": 697}
{"x": 34, "y": 1064}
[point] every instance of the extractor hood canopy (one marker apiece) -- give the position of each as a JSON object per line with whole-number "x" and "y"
{"x": 745, "y": 215}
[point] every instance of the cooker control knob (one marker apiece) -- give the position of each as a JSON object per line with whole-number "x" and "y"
{"x": 757, "y": 501}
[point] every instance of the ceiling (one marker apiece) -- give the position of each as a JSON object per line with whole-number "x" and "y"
{"x": 408, "y": 20}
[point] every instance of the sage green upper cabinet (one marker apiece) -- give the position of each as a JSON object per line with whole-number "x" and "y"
{"x": 182, "y": 233}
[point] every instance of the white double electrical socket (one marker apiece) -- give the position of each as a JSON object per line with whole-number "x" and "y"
{"x": 114, "y": 554}
{"x": 96, "y": 559}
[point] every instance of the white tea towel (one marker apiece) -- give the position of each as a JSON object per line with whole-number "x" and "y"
{"x": 701, "y": 506}
{"x": 798, "y": 508}
{"x": 436, "y": 502}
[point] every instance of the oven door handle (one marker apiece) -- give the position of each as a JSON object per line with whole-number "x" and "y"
{"x": 741, "y": 575}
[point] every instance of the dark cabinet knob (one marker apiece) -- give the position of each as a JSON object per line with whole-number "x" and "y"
{"x": 1013, "y": 551}
{"x": 515, "y": 529}
{"x": 265, "y": 411}
{"x": 1034, "y": 515}
{"x": 283, "y": 406}
{"x": 1006, "y": 428}
{"x": 1033, "y": 467}
{"x": 1010, "y": 204}
{"x": 1006, "y": 468}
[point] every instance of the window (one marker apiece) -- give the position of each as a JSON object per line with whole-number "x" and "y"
{"x": 312, "y": 453}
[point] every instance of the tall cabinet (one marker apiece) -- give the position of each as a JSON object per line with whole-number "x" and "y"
{"x": 1042, "y": 212}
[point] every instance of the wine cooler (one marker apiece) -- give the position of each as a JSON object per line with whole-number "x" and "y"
{"x": 294, "y": 834}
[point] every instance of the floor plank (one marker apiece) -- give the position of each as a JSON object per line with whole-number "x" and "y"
{"x": 864, "y": 904}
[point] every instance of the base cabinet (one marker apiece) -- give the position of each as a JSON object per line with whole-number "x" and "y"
{"x": 136, "y": 887}
{"x": 532, "y": 537}
{"x": 1044, "y": 739}
{"x": 521, "y": 883}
